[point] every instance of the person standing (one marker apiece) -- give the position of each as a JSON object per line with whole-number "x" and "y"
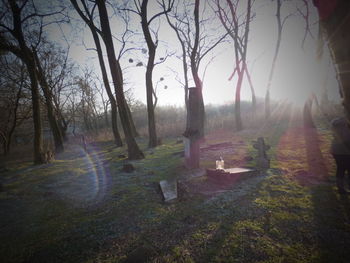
{"x": 340, "y": 150}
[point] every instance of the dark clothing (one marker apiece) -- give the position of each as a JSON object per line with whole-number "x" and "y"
{"x": 341, "y": 151}
{"x": 343, "y": 165}
{"x": 341, "y": 137}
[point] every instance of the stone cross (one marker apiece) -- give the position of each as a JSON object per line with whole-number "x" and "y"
{"x": 263, "y": 162}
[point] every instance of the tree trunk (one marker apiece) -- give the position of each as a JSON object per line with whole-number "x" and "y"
{"x": 55, "y": 129}
{"x": 38, "y": 136}
{"x": 133, "y": 127}
{"x": 238, "y": 118}
{"x": 194, "y": 71}
{"x": 252, "y": 90}
{"x": 28, "y": 60}
{"x": 61, "y": 122}
{"x": 335, "y": 24}
{"x": 184, "y": 67}
{"x": 133, "y": 150}
{"x": 152, "y": 133}
{"x": 114, "y": 111}
{"x": 272, "y": 70}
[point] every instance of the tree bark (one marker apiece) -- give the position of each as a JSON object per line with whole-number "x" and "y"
{"x": 133, "y": 127}
{"x": 335, "y": 24}
{"x": 133, "y": 150}
{"x": 152, "y": 133}
{"x": 55, "y": 129}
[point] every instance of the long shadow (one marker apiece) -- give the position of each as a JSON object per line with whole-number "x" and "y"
{"x": 317, "y": 168}
{"x": 331, "y": 211}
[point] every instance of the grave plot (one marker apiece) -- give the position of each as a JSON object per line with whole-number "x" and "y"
{"x": 227, "y": 174}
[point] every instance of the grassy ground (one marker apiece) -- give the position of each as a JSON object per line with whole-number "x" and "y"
{"x": 83, "y": 208}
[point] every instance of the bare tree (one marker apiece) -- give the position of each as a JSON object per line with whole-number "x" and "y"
{"x": 88, "y": 17}
{"x": 197, "y": 39}
{"x": 176, "y": 26}
{"x": 141, "y": 9}
{"x": 117, "y": 75}
{"x": 56, "y": 131}
{"x": 17, "y": 20}
{"x": 239, "y": 31}
{"x": 59, "y": 74}
{"x": 13, "y": 105}
{"x": 280, "y": 24}
{"x": 88, "y": 101}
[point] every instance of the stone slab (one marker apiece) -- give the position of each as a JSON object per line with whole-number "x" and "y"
{"x": 169, "y": 189}
{"x": 229, "y": 174}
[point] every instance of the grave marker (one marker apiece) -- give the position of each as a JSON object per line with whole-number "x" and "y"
{"x": 169, "y": 189}
{"x": 262, "y": 161}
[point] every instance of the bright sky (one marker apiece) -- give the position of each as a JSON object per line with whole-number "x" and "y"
{"x": 296, "y": 75}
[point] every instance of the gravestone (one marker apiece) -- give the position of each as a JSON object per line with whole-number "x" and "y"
{"x": 262, "y": 161}
{"x": 195, "y": 128}
{"x": 169, "y": 189}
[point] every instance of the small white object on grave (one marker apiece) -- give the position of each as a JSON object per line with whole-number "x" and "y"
{"x": 220, "y": 164}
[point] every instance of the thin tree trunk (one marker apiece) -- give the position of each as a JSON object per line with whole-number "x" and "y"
{"x": 133, "y": 150}
{"x": 272, "y": 70}
{"x": 152, "y": 133}
{"x": 184, "y": 67}
{"x": 56, "y": 131}
{"x": 194, "y": 71}
{"x": 238, "y": 118}
{"x": 251, "y": 89}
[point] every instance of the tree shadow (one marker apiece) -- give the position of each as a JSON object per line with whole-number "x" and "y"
{"x": 332, "y": 220}
{"x": 316, "y": 163}
{"x": 331, "y": 210}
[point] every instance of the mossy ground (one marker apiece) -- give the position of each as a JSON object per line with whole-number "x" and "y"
{"x": 83, "y": 208}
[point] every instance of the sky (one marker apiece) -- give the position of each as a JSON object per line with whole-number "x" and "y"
{"x": 297, "y": 73}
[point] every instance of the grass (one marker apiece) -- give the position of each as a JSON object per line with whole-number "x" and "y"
{"x": 74, "y": 211}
